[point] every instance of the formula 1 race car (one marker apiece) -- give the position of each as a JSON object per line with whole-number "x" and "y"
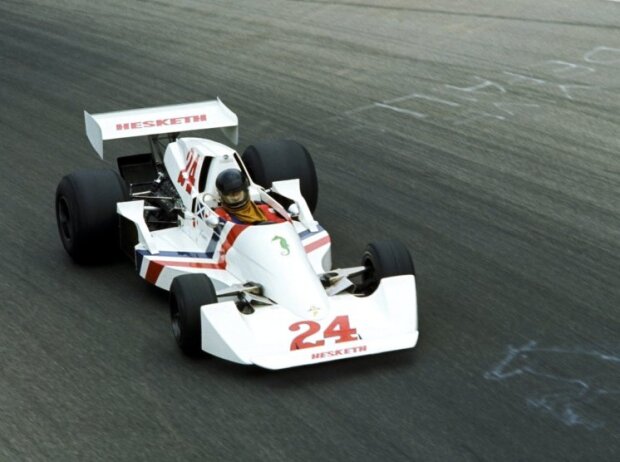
{"x": 263, "y": 293}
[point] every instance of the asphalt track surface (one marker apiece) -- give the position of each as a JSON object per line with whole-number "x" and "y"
{"x": 483, "y": 134}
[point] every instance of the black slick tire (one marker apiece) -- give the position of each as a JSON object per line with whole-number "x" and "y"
{"x": 384, "y": 259}
{"x": 275, "y": 160}
{"x": 187, "y": 294}
{"x": 88, "y": 224}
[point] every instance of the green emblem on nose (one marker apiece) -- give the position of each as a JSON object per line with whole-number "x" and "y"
{"x": 283, "y": 245}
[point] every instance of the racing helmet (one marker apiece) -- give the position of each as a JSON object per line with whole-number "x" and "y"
{"x": 233, "y": 188}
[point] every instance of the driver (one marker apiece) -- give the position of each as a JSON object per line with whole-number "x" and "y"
{"x": 236, "y": 203}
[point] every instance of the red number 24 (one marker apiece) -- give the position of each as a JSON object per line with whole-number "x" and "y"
{"x": 187, "y": 176}
{"x": 339, "y": 328}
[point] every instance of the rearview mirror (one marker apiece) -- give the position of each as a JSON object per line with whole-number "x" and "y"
{"x": 293, "y": 209}
{"x": 212, "y": 221}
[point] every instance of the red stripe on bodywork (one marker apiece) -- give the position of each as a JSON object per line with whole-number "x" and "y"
{"x": 231, "y": 237}
{"x": 316, "y": 244}
{"x": 189, "y": 264}
{"x": 156, "y": 267}
{"x": 153, "y": 271}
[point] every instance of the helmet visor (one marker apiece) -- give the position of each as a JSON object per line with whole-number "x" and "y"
{"x": 235, "y": 199}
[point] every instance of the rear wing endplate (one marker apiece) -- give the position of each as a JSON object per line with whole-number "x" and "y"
{"x": 160, "y": 120}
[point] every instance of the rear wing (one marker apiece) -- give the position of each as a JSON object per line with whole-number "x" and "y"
{"x": 160, "y": 120}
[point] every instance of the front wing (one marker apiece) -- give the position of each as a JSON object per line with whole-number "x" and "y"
{"x": 274, "y": 338}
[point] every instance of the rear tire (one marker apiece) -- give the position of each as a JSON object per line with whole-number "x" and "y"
{"x": 187, "y": 294}
{"x": 269, "y": 161}
{"x": 384, "y": 259}
{"x": 86, "y": 214}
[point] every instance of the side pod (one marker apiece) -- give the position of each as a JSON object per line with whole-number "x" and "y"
{"x": 134, "y": 212}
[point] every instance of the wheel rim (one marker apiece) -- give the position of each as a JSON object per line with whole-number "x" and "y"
{"x": 371, "y": 282}
{"x": 64, "y": 219}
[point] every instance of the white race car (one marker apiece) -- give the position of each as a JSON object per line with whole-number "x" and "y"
{"x": 263, "y": 294}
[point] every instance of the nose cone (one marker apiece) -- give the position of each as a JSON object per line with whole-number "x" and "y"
{"x": 273, "y": 256}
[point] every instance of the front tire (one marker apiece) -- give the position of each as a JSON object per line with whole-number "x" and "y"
{"x": 187, "y": 294}
{"x": 269, "y": 161}
{"x": 86, "y": 214}
{"x": 384, "y": 259}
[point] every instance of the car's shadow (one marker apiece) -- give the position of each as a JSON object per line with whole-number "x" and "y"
{"x": 345, "y": 369}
